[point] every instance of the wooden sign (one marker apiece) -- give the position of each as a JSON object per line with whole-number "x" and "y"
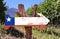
{"x": 31, "y": 21}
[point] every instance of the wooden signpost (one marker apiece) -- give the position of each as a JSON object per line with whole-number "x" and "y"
{"x": 21, "y": 12}
{"x": 26, "y": 21}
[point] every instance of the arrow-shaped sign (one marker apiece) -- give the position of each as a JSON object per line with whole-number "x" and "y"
{"x": 27, "y": 21}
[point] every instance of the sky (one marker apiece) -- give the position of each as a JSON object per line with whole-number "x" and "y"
{"x": 27, "y": 3}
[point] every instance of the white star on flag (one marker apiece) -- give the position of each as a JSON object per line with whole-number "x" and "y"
{"x": 8, "y": 19}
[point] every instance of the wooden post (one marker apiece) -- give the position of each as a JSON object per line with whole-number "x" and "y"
{"x": 28, "y": 32}
{"x": 34, "y": 11}
{"x": 21, "y": 12}
{"x": 29, "y": 29}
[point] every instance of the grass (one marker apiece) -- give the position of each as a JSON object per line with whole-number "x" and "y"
{"x": 37, "y": 34}
{"x": 44, "y": 34}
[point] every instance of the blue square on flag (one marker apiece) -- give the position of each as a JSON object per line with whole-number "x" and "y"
{"x": 9, "y": 20}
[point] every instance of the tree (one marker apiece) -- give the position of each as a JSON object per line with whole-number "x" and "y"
{"x": 2, "y": 11}
{"x": 51, "y": 9}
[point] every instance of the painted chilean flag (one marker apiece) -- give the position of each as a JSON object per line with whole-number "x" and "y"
{"x": 26, "y": 21}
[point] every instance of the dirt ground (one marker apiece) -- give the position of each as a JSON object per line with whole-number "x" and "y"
{"x": 9, "y": 37}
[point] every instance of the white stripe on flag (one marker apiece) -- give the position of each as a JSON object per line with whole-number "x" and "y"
{"x": 31, "y": 20}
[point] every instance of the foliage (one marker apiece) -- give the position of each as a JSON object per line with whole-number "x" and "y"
{"x": 2, "y": 11}
{"x": 51, "y": 9}
{"x": 45, "y": 34}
